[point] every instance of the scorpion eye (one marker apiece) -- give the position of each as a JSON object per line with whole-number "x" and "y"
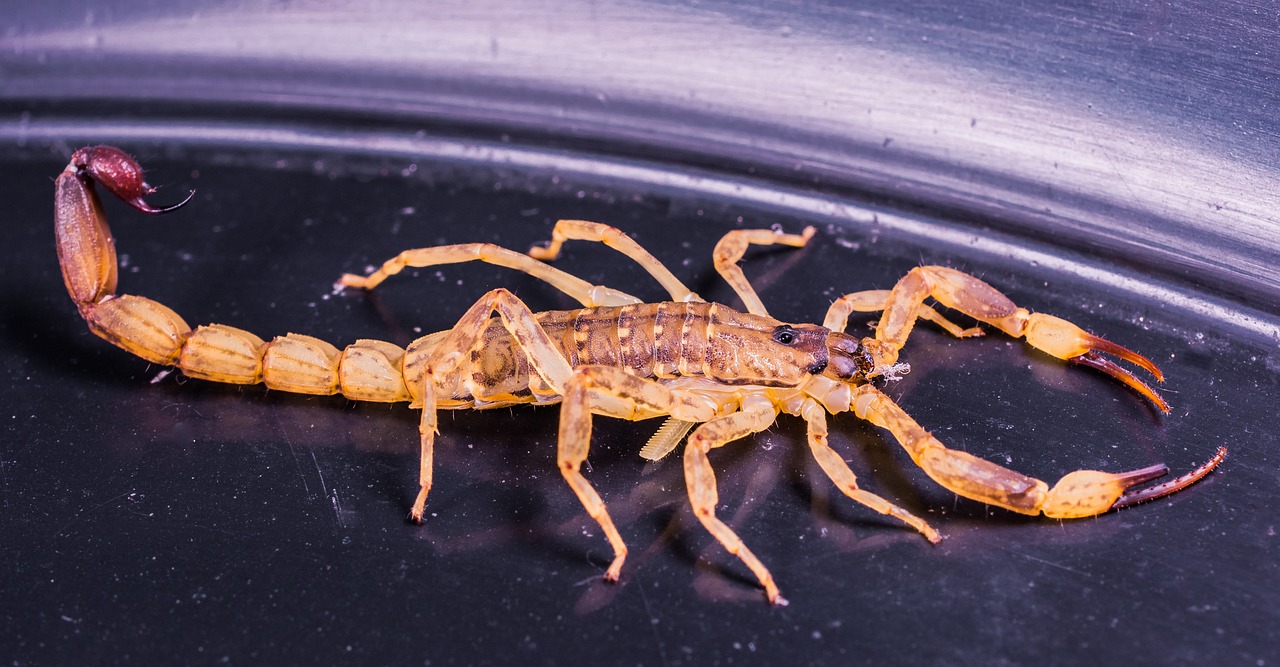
{"x": 784, "y": 335}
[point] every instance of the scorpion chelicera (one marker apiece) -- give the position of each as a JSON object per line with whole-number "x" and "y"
{"x": 708, "y": 368}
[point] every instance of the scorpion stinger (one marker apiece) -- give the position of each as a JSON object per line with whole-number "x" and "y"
{"x": 116, "y": 171}
{"x": 728, "y": 372}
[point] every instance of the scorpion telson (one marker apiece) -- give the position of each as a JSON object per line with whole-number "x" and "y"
{"x": 721, "y": 373}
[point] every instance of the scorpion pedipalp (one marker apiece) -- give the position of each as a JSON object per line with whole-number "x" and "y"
{"x": 118, "y": 172}
{"x": 904, "y": 304}
{"x": 1076, "y": 495}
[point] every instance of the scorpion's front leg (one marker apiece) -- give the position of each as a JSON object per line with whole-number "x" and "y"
{"x": 1079, "y": 494}
{"x": 977, "y": 299}
{"x": 840, "y": 473}
{"x": 610, "y": 391}
{"x": 874, "y": 301}
{"x": 757, "y": 414}
{"x": 433, "y": 371}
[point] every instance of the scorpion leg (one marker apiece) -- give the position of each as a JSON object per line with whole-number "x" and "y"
{"x": 757, "y": 414}
{"x": 730, "y": 250}
{"x": 612, "y": 392}
{"x": 874, "y": 301}
{"x": 440, "y": 367}
{"x": 583, "y": 230}
{"x": 843, "y": 477}
{"x": 1079, "y": 494}
{"x": 584, "y": 292}
{"x": 668, "y": 436}
{"x": 977, "y": 299}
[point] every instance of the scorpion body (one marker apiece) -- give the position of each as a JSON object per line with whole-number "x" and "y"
{"x": 649, "y": 340}
{"x": 697, "y": 363}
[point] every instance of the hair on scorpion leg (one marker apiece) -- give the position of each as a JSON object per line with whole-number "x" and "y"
{"x": 891, "y": 372}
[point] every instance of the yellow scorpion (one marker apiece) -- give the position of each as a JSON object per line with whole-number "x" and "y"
{"x": 700, "y": 364}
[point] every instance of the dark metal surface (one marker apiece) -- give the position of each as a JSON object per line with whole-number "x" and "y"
{"x": 155, "y": 519}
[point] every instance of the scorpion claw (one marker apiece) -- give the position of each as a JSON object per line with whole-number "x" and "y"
{"x": 1101, "y": 363}
{"x": 1103, "y": 345}
{"x": 1065, "y": 340}
{"x": 1135, "y": 496}
{"x": 119, "y": 173}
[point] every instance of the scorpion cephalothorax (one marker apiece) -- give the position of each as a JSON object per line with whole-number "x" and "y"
{"x": 700, "y": 364}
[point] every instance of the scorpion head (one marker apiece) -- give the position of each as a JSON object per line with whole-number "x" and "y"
{"x": 751, "y": 349}
{"x": 848, "y": 358}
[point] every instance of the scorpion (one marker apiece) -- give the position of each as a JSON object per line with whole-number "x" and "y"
{"x": 710, "y": 369}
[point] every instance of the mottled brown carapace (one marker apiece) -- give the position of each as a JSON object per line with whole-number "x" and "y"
{"x": 652, "y": 340}
{"x": 722, "y": 373}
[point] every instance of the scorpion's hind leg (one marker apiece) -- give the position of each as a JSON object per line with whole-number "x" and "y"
{"x": 588, "y": 295}
{"x": 977, "y": 299}
{"x": 432, "y": 363}
{"x": 610, "y": 391}
{"x": 1079, "y": 494}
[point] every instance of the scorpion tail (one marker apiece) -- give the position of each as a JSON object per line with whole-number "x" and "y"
{"x": 86, "y": 249}
{"x": 366, "y": 370}
{"x": 87, "y": 254}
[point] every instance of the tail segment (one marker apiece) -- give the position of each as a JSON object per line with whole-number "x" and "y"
{"x": 367, "y": 370}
